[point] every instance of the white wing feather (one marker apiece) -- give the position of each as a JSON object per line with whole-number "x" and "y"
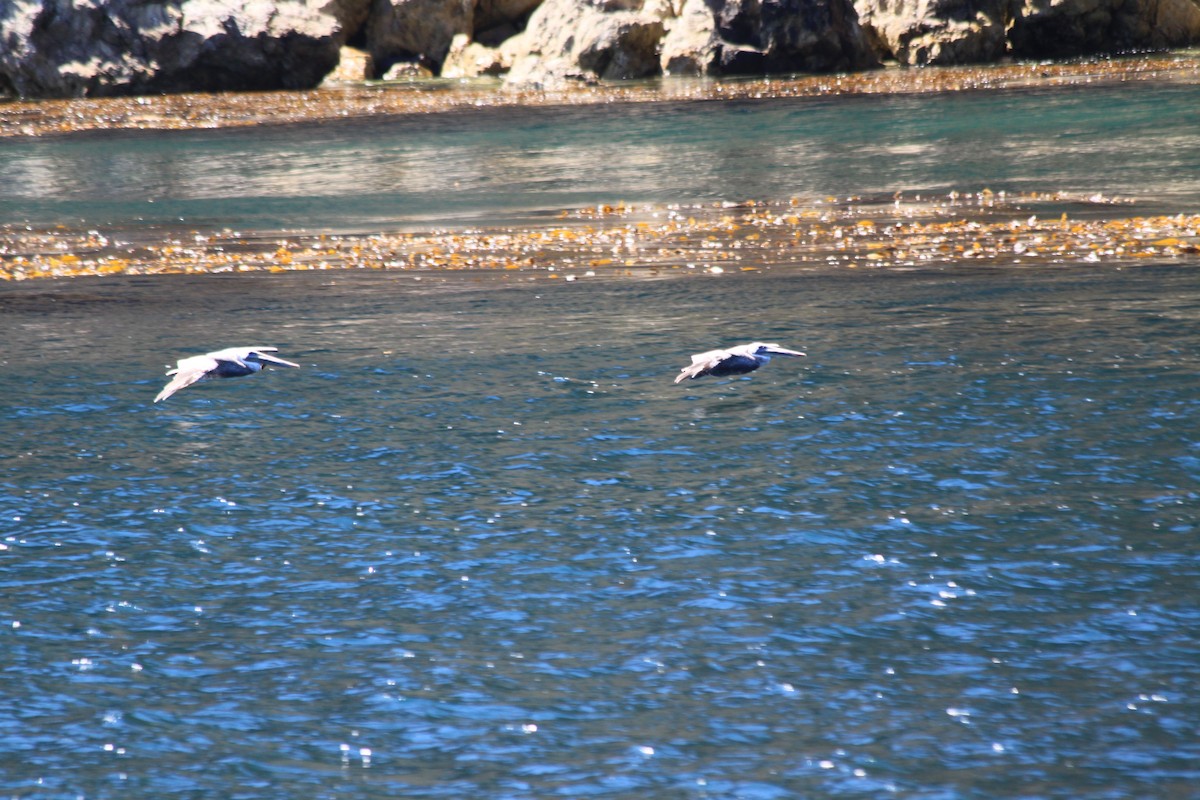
{"x": 188, "y": 371}
{"x": 702, "y": 363}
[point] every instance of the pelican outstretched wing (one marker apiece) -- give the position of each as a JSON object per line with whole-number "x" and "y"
{"x": 702, "y": 364}
{"x": 188, "y": 371}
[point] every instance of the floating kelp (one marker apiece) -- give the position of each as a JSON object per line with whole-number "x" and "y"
{"x": 894, "y": 233}
{"x": 357, "y": 101}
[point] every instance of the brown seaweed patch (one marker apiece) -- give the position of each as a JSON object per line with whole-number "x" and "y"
{"x": 896, "y": 233}
{"x": 363, "y": 101}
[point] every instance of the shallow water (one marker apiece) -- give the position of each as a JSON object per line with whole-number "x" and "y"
{"x": 510, "y": 166}
{"x": 480, "y": 545}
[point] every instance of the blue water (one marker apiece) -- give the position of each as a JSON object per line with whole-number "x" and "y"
{"x": 952, "y": 553}
{"x": 480, "y": 545}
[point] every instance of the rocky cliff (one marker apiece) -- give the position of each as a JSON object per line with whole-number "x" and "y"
{"x": 71, "y": 48}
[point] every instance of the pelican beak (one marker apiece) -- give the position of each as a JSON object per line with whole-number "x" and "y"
{"x": 783, "y": 351}
{"x": 265, "y": 358}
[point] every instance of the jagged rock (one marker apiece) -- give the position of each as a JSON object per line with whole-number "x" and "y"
{"x": 350, "y": 14}
{"x": 354, "y": 65}
{"x": 691, "y": 46}
{"x": 624, "y": 38}
{"x": 65, "y": 48}
{"x": 62, "y": 48}
{"x": 490, "y": 14}
{"x": 749, "y": 37}
{"x": 919, "y": 32}
{"x": 1063, "y": 28}
{"x": 416, "y": 30}
{"x": 762, "y": 36}
{"x": 793, "y": 36}
{"x": 926, "y": 32}
{"x": 468, "y": 59}
{"x": 577, "y": 39}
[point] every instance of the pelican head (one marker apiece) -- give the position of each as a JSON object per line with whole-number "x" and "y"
{"x": 764, "y": 350}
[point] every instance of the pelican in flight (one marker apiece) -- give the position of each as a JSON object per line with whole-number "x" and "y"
{"x": 232, "y": 362}
{"x": 734, "y": 361}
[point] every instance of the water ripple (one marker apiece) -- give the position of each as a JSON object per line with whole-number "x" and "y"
{"x": 933, "y": 560}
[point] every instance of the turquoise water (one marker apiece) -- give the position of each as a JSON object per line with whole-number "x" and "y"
{"x": 492, "y": 166}
{"x": 480, "y": 545}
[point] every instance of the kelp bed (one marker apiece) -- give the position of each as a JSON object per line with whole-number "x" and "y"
{"x": 983, "y": 229}
{"x": 373, "y": 99}
{"x": 894, "y": 232}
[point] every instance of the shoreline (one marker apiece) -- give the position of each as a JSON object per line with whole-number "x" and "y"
{"x": 343, "y": 102}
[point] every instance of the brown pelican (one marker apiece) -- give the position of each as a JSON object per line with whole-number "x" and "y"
{"x": 734, "y": 361}
{"x": 232, "y": 362}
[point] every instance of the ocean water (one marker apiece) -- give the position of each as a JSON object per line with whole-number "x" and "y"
{"x": 481, "y": 545}
{"x": 517, "y": 165}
